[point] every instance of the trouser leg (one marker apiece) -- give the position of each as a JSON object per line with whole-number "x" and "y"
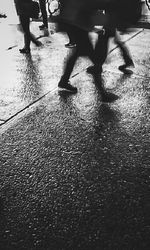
{"x": 68, "y": 68}
{"x": 83, "y": 48}
{"x": 101, "y": 49}
{"x": 25, "y": 21}
{"x": 70, "y": 34}
{"x": 28, "y": 36}
{"x": 44, "y": 12}
{"x": 86, "y": 48}
{"x": 124, "y": 49}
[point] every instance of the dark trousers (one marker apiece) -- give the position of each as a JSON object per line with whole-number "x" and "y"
{"x": 28, "y": 36}
{"x": 44, "y": 12}
{"x": 70, "y": 34}
{"x": 101, "y": 48}
{"x": 83, "y": 48}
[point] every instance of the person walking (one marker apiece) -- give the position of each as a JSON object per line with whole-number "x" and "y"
{"x": 77, "y": 16}
{"x": 116, "y": 20}
{"x": 44, "y": 26}
{"x": 22, "y": 10}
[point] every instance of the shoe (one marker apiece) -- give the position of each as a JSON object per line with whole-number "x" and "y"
{"x": 46, "y": 32}
{"x": 38, "y": 43}
{"x": 108, "y": 97}
{"x": 126, "y": 66}
{"x": 41, "y": 27}
{"x": 70, "y": 45}
{"x": 67, "y": 86}
{"x": 93, "y": 70}
{"x": 24, "y": 51}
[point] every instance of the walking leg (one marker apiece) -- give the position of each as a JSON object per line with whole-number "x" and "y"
{"x": 125, "y": 53}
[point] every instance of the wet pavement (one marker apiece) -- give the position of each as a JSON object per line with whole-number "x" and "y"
{"x": 74, "y": 171}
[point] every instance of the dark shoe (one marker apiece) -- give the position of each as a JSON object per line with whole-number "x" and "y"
{"x": 126, "y": 66}
{"x": 38, "y": 43}
{"x": 67, "y": 86}
{"x": 108, "y": 97}
{"x": 24, "y": 51}
{"x": 93, "y": 70}
{"x": 41, "y": 27}
{"x": 70, "y": 45}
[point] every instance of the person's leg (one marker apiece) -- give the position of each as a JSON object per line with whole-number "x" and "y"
{"x": 68, "y": 68}
{"x": 34, "y": 40}
{"x": 125, "y": 53}
{"x": 70, "y": 33}
{"x": 24, "y": 20}
{"x": 28, "y": 36}
{"x": 85, "y": 48}
{"x": 44, "y": 13}
{"x": 98, "y": 58}
{"x": 71, "y": 60}
{"x": 101, "y": 50}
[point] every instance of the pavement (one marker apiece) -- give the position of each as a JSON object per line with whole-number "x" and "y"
{"x": 74, "y": 171}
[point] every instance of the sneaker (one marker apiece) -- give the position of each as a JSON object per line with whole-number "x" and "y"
{"x": 38, "y": 43}
{"x": 70, "y": 45}
{"x": 126, "y": 66}
{"x": 67, "y": 86}
{"x": 24, "y": 51}
{"x": 46, "y": 32}
{"x": 41, "y": 27}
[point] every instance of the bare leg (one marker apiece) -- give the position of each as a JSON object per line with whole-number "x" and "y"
{"x": 124, "y": 50}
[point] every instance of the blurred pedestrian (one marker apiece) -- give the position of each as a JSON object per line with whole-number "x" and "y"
{"x": 44, "y": 26}
{"x": 120, "y": 15}
{"x": 22, "y": 7}
{"x": 68, "y": 29}
{"x": 77, "y": 16}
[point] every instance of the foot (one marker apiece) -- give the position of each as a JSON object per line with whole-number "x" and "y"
{"x": 67, "y": 86}
{"x": 24, "y": 51}
{"x": 70, "y": 45}
{"x": 41, "y": 27}
{"x": 108, "y": 97}
{"x": 93, "y": 70}
{"x": 126, "y": 66}
{"x": 38, "y": 43}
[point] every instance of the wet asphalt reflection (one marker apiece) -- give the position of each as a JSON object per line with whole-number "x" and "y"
{"x": 76, "y": 175}
{"x": 75, "y": 171}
